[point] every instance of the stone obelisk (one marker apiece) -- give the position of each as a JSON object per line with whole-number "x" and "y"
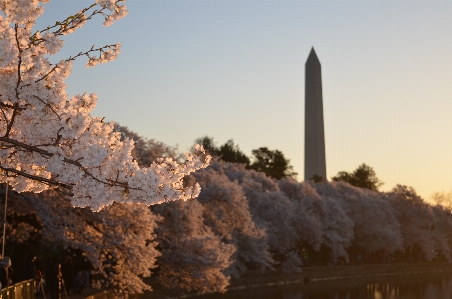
{"x": 314, "y": 137}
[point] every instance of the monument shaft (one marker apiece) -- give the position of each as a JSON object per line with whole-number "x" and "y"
{"x": 314, "y": 140}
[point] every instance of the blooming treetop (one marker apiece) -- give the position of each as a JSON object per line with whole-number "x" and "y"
{"x": 193, "y": 256}
{"x": 48, "y": 140}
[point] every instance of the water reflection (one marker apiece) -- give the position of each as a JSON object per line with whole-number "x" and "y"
{"x": 390, "y": 287}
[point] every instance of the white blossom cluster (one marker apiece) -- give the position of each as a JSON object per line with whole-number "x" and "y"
{"x": 119, "y": 11}
{"x": 105, "y": 56}
{"x": 48, "y": 140}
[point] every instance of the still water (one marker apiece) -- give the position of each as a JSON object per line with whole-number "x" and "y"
{"x": 430, "y": 286}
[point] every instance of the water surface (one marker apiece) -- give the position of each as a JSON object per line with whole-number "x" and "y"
{"x": 428, "y": 286}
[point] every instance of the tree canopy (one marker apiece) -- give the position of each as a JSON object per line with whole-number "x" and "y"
{"x": 229, "y": 152}
{"x": 242, "y": 220}
{"x": 271, "y": 162}
{"x": 363, "y": 177}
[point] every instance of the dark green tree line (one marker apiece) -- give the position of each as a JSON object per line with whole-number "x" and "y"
{"x": 363, "y": 177}
{"x": 271, "y": 162}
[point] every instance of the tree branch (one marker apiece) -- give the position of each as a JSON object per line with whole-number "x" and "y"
{"x": 45, "y": 153}
{"x": 3, "y": 105}
{"x": 65, "y": 24}
{"x": 69, "y": 23}
{"x": 37, "y": 178}
{"x": 10, "y": 124}
{"x": 4, "y": 115}
{"x": 71, "y": 59}
{"x": 19, "y": 79}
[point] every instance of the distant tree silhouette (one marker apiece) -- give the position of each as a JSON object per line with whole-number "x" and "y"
{"x": 363, "y": 177}
{"x": 228, "y": 152}
{"x": 443, "y": 199}
{"x": 232, "y": 153}
{"x": 272, "y": 163}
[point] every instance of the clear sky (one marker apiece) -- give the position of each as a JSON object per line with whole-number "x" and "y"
{"x": 235, "y": 70}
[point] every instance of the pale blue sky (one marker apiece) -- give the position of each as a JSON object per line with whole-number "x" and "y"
{"x": 235, "y": 69}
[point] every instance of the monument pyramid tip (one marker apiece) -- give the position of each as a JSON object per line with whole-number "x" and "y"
{"x": 313, "y": 57}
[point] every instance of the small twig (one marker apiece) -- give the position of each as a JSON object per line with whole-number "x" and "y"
{"x": 69, "y": 23}
{"x": 70, "y": 59}
{"x": 64, "y": 25}
{"x": 10, "y": 125}
{"x": 48, "y": 105}
{"x": 57, "y": 140}
{"x": 6, "y": 118}
{"x": 19, "y": 79}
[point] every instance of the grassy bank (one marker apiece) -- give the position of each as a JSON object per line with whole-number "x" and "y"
{"x": 314, "y": 275}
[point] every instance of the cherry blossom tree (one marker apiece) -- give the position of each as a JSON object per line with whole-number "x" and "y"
{"x": 121, "y": 257}
{"x": 375, "y": 225}
{"x": 48, "y": 140}
{"x": 241, "y": 220}
{"x": 442, "y": 229}
{"x": 286, "y": 223}
{"x": 193, "y": 257}
{"x": 336, "y": 228}
{"x": 226, "y": 211}
{"x": 416, "y": 220}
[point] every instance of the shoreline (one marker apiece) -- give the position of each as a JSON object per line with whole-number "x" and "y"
{"x": 310, "y": 275}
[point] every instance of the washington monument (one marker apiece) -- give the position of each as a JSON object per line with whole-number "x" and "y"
{"x": 314, "y": 137}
